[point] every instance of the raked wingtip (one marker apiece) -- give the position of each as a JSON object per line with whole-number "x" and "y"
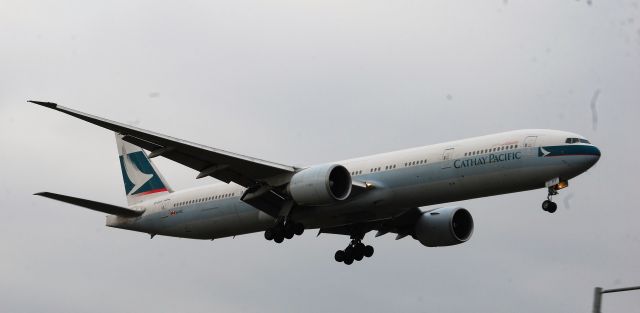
{"x": 49, "y": 105}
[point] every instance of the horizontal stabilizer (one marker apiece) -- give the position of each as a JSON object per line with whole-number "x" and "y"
{"x": 92, "y": 205}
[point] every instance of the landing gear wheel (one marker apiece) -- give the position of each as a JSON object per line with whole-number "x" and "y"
{"x": 368, "y": 251}
{"x": 288, "y": 233}
{"x": 358, "y": 252}
{"x": 549, "y": 206}
{"x": 298, "y": 229}
{"x": 278, "y": 237}
{"x": 349, "y": 252}
{"x": 268, "y": 234}
{"x": 355, "y": 251}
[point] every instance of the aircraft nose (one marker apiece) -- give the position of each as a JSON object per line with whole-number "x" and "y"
{"x": 595, "y": 155}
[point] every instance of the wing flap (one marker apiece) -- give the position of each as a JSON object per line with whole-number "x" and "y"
{"x": 92, "y": 205}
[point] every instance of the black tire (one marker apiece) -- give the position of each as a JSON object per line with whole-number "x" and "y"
{"x": 288, "y": 227}
{"x": 358, "y": 252}
{"x": 298, "y": 229}
{"x": 349, "y": 252}
{"x": 288, "y": 233}
{"x": 339, "y": 256}
{"x": 348, "y": 261}
{"x": 278, "y": 237}
{"x": 368, "y": 251}
{"x": 546, "y": 204}
{"x": 268, "y": 234}
{"x": 552, "y": 208}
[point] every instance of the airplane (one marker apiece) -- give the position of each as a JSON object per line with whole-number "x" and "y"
{"x": 385, "y": 193}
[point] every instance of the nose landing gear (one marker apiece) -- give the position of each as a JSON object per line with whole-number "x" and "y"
{"x": 548, "y": 205}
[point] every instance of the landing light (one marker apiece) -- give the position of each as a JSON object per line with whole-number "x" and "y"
{"x": 561, "y": 185}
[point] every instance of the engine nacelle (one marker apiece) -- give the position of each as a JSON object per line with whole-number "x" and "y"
{"x": 444, "y": 227}
{"x": 320, "y": 185}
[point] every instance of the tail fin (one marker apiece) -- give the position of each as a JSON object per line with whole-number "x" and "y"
{"x": 142, "y": 180}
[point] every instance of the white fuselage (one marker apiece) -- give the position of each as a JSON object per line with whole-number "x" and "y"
{"x": 435, "y": 174}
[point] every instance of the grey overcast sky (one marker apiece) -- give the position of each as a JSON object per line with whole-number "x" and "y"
{"x": 300, "y": 82}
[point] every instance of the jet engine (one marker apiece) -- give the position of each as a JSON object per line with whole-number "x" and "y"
{"x": 444, "y": 227}
{"x": 320, "y": 185}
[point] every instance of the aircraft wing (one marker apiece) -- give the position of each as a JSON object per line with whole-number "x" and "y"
{"x": 223, "y": 165}
{"x": 401, "y": 224}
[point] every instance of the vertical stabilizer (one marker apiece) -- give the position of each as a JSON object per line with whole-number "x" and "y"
{"x": 142, "y": 180}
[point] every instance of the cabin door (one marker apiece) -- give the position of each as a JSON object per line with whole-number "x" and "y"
{"x": 529, "y": 145}
{"x": 447, "y": 158}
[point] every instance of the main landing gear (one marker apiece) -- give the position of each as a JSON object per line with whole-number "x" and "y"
{"x": 549, "y": 205}
{"x": 355, "y": 251}
{"x": 283, "y": 230}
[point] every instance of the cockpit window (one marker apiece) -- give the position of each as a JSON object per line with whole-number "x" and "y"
{"x": 577, "y": 140}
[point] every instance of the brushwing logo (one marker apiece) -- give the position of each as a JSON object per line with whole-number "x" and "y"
{"x": 543, "y": 152}
{"x": 135, "y": 175}
{"x": 138, "y": 174}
